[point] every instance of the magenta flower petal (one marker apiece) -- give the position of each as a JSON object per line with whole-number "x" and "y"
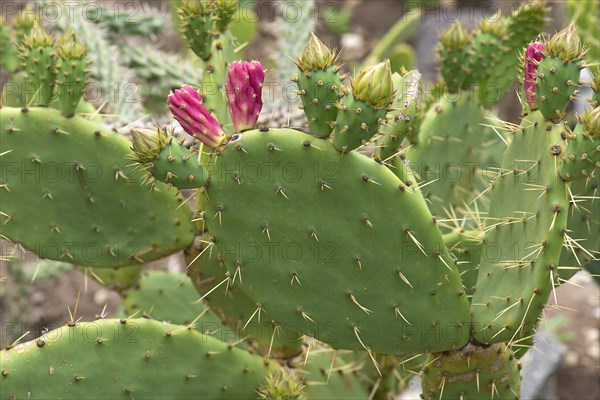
{"x": 533, "y": 56}
{"x": 187, "y": 107}
{"x": 244, "y": 93}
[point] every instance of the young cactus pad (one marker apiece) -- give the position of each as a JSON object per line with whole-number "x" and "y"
{"x": 359, "y": 258}
{"x": 122, "y": 359}
{"x": 472, "y": 373}
{"x": 68, "y": 193}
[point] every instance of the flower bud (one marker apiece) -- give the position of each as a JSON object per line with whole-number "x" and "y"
{"x": 567, "y": 45}
{"x": 244, "y": 93}
{"x": 147, "y": 143}
{"x": 374, "y": 86}
{"x": 591, "y": 122}
{"x": 187, "y": 107}
{"x": 316, "y": 56}
{"x": 456, "y": 37}
{"x": 533, "y": 55}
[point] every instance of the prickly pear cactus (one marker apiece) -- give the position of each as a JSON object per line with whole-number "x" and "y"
{"x": 337, "y": 252}
{"x": 121, "y": 359}
{"x": 118, "y": 279}
{"x": 86, "y": 204}
{"x": 558, "y": 72}
{"x": 167, "y": 159}
{"x": 39, "y": 56}
{"x": 527, "y": 220}
{"x": 170, "y": 297}
{"x": 473, "y": 373}
{"x": 319, "y": 86}
{"x": 234, "y": 307}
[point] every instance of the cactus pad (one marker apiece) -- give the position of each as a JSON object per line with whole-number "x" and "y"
{"x": 235, "y": 308}
{"x": 358, "y": 256}
{"x": 171, "y": 297}
{"x": 447, "y": 150}
{"x": 84, "y": 204}
{"x": 472, "y": 373}
{"x": 524, "y": 233}
{"x": 112, "y": 359}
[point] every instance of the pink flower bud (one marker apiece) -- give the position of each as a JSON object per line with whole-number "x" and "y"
{"x": 533, "y": 55}
{"x": 187, "y": 107}
{"x": 244, "y": 92}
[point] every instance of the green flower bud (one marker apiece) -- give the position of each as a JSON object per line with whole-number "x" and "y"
{"x": 316, "y": 56}
{"x": 38, "y": 37}
{"x": 69, "y": 47}
{"x": 192, "y": 8}
{"x": 566, "y": 45}
{"x": 596, "y": 80}
{"x": 24, "y": 22}
{"x": 374, "y": 85}
{"x": 224, "y": 12}
{"x": 494, "y": 25}
{"x": 456, "y": 37}
{"x": 283, "y": 384}
{"x": 147, "y": 143}
{"x": 591, "y": 122}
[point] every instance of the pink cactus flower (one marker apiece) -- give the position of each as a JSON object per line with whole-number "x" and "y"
{"x": 187, "y": 107}
{"x": 244, "y": 92}
{"x": 533, "y": 55}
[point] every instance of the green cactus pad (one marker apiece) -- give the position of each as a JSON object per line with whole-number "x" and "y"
{"x": 320, "y": 92}
{"x": 356, "y": 123}
{"x": 582, "y": 247}
{"x": 178, "y": 166}
{"x": 582, "y": 157}
{"x": 555, "y": 85}
{"x": 524, "y": 233}
{"x": 327, "y": 376}
{"x": 402, "y": 118}
{"x": 484, "y": 52}
{"x": 119, "y": 279}
{"x": 39, "y": 56}
{"x": 125, "y": 359}
{"x": 85, "y": 204}
{"x": 466, "y": 248}
{"x": 447, "y": 152}
{"x": 197, "y": 26}
{"x": 171, "y": 297}
{"x": 235, "y": 308}
{"x": 452, "y": 52}
{"x": 521, "y": 27}
{"x": 292, "y": 215}
{"x": 9, "y": 59}
{"x": 472, "y": 373}
{"x": 214, "y": 75}
{"x": 71, "y": 73}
